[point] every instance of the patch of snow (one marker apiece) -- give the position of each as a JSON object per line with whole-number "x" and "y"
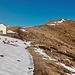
{"x": 61, "y": 21}
{"x": 27, "y": 44}
{"x": 10, "y": 31}
{"x": 70, "y": 74}
{"x": 26, "y": 26}
{"x": 55, "y": 22}
{"x": 15, "y": 60}
{"x": 56, "y": 58}
{"x": 37, "y": 45}
{"x": 45, "y": 56}
{"x": 51, "y": 24}
{"x": 72, "y": 69}
{"x": 23, "y": 30}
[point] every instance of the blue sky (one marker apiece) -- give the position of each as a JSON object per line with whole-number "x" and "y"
{"x": 35, "y": 12}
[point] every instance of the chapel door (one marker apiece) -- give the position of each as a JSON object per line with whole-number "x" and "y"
{"x": 1, "y": 31}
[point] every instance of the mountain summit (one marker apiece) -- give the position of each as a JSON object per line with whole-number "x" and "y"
{"x": 56, "y": 22}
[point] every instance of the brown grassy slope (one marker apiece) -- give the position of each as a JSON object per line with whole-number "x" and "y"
{"x": 57, "y": 41}
{"x": 61, "y": 40}
{"x": 65, "y": 31}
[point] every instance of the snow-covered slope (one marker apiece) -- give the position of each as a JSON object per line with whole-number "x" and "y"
{"x": 14, "y": 58}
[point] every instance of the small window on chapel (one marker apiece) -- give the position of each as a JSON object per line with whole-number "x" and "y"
{"x": 1, "y": 31}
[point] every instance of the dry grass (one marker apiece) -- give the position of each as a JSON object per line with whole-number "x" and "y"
{"x": 57, "y": 41}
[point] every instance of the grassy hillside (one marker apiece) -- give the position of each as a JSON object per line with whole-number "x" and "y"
{"x": 57, "y": 39}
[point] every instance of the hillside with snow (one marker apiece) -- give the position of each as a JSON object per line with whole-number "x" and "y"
{"x": 14, "y": 57}
{"x": 52, "y": 46}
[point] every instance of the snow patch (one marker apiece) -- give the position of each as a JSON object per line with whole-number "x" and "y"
{"x": 55, "y": 22}
{"x": 45, "y": 56}
{"x": 15, "y": 60}
{"x": 37, "y": 45}
{"x": 51, "y": 24}
{"x": 10, "y": 31}
{"x": 70, "y": 74}
{"x": 61, "y": 21}
{"x": 27, "y": 44}
{"x": 72, "y": 69}
{"x": 23, "y": 30}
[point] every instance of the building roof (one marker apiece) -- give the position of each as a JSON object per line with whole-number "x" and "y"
{"x": 2, "y": 24}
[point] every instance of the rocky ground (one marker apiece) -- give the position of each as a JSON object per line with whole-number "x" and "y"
{"x": 52, "y": 46}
